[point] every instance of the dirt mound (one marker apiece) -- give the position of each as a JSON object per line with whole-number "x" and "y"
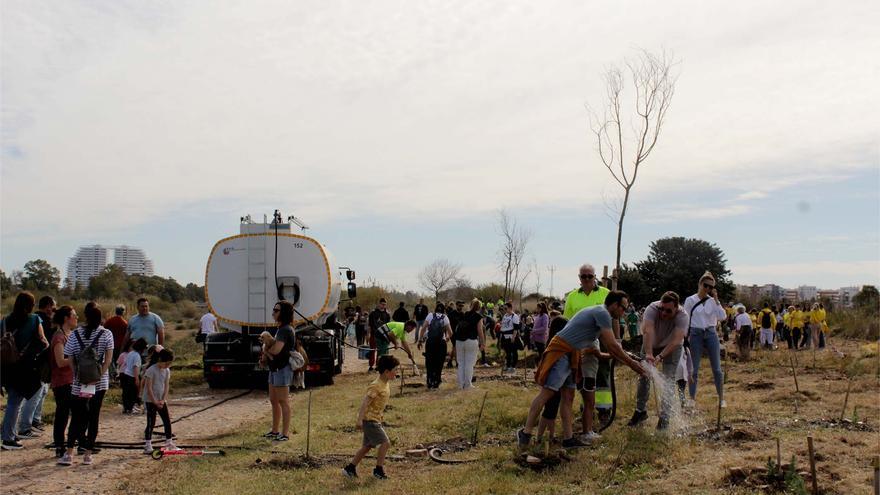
{"x": 759, "y": 479}
{"x": 735, "y": 434}
{"x": 845, "y": 424}
{"x": 542, "y": 462}
{"x": 295, "y": 462}
{"x": 759, "y": 385}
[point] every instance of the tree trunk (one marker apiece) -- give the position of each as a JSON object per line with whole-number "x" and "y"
{"x": 620, "y": 226}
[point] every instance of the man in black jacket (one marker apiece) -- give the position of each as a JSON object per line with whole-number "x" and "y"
{"x": 401, "y": 314}
{"x": 377, "y": 318}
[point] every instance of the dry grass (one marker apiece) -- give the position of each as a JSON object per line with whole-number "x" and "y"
{"x": 625, "y": 461}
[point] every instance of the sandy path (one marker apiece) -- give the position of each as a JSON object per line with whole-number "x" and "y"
{"x": 33, "y": 470}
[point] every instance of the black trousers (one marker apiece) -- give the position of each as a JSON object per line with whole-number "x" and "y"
{"x": 511, "y": 353}
{"x": 62, "y": 414}
{"x": 360, "y": 333}
{"x": 86, "y": 416}
{"x": 795, "y": 338}
{"x": 152, "y": 410}
{"x": 435, "y": 356}
{"x": 129, "y": 392}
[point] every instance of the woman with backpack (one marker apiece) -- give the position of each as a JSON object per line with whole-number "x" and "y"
{"x": 437, "y": 332}
{"x": 91, "y": 349}
{"x": 23, "y": 342}
{"x": 65, "y": 319}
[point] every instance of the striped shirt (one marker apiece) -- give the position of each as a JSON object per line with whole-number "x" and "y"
{"x": 73, "y": 348}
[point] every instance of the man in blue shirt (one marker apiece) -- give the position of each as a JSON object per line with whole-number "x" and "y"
{"x": 146, "y": 325}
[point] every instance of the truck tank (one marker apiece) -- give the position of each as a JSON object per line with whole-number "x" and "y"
{"x": 245, "y": 276}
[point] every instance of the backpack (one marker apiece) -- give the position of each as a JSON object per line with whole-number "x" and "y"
{"x": 88, "y": 364}
{"x": 9, "y": 354}
{"x": 435, "y": 329}
{"x": 765, "y": 319}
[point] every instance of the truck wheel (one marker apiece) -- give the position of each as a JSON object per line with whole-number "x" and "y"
{"x": 327, "y": 379}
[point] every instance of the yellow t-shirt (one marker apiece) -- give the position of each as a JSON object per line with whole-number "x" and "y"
{"x": 817, "y": 316}
{"x": 577, "y": 300}
{"x": 378, "y": 393}
{"x": 797, "y": 319}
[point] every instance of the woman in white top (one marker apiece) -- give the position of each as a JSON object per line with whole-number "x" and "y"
{"x": 705, "y": 310}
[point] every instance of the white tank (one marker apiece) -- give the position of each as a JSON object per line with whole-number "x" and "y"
{"x": 242, "y": 276}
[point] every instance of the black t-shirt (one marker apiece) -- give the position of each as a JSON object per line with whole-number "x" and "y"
{"x": 420, "y": 312}
{"x": 286, "y": 335}
{"x": 467, "y": 326}
{"x": 401, "y": 315}
{"x": 556, "y": 325}
{"x": 454, "y": 318}
{"x": 378, "y": 318}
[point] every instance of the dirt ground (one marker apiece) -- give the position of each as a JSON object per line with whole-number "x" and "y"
{"x": 33, "y": 470}
{"x": 762, "y": 406}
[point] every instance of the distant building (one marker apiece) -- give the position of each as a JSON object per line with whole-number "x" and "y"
{"x": 846, "y": 294}
{"x": 770, "y": 291}
{"x": 832, "y": 295}
{"x": 807, "y": 292}
{"x": 85, "y": 264}
{"x": 89, "y": 261}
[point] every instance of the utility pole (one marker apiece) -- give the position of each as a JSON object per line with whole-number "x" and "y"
{"x": 552, "y": 269}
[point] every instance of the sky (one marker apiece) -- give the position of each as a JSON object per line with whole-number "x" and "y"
{"x": 398, "y": 129}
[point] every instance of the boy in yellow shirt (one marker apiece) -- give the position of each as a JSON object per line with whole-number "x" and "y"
{"x": 370, "y": 418}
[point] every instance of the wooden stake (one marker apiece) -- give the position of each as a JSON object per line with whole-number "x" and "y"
{"x": 813, "y": 465}
{"x": 401, "y": 382}
{"x": 778, "y": 455}
{"x": 479, "y": 418}
{"x": 877, "y": 475}
{"x": 309, "y": 425}
{"x": 794, "y": 372}
{"x": 718, "y": 425}
{"x": 845, "y": 398}
{"x": 814, "y": 357}
{"x": 725, "y": 367}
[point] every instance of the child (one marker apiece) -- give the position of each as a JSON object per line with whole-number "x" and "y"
{"x": 120, "y": 361}
{"x": 370, "y": 418}
{"x": 129, "y": 374}
{"x": 156, "y": 381}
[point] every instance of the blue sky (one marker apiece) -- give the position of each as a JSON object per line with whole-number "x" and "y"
{"x": 396, "y": 130}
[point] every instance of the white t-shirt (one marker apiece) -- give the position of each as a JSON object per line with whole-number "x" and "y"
{"x": 132, "y": 361}
{"x": 507, "y": 323}
{"x": 207, "y": 323}
{"x": 742, "y": 320}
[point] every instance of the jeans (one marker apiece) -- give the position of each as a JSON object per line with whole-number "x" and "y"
{"x": 670, "y": 364}
{"x": 14, "y": 400}
{"x": 466, "y": 352}
{"x": 435, "y": 355}
{"x": 511, "y": 354}
{"x": 152, "y": 410}
{"x": 700, "y": 339}
{"x": 32, "y": 411}
{"x": 418, "y": 332}
{"x": 62, "y": 413}
{"x": 86, "y": 416}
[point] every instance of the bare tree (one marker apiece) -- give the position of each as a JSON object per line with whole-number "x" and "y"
{"x": 439, "y": 276}
{"x": 537, "y": 270}
{"x": 626, "y": 141}
{"x": 514, "y": 240}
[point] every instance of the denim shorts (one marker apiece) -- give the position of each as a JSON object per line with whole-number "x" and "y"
{"x": 374, "y": 434}
{"x": 281, "y": 378}
{"x": 560, "y": 375}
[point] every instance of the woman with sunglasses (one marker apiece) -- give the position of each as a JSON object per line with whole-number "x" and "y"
{"x": 705, "y": 310}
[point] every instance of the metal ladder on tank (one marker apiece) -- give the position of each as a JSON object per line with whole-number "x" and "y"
{"x": 257, "y": 300}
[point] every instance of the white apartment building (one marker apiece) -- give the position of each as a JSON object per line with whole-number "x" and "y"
{"x": 89, "y": 261}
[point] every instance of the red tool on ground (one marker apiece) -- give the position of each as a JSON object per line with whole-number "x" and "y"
{"x": 160, "y": 453}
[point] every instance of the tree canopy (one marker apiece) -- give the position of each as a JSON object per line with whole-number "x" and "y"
{"x": 40, "y": 275}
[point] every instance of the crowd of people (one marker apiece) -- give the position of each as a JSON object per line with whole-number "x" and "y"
{"x": 573, "y": 341}
{"x": 79, "y": 360}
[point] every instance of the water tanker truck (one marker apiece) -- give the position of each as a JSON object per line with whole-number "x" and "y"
{"x": 246, "y": 275}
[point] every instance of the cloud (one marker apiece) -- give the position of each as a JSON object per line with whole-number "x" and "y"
{"x": 129, "y": 112}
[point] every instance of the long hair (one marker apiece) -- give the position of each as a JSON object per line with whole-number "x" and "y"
{"x": 93, "y": 316}
{"x": 21, "y": 309}
{"x": 61, "y": 314}
{"x": 285, "y": 312}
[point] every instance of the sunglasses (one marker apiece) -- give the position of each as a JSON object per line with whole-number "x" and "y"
{"x": 586, "y": 276}
{"x": 707, "y": 286}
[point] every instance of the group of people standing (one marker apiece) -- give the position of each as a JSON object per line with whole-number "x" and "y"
{"x": 53, "y": 348}
{"x": 799, "y": 326}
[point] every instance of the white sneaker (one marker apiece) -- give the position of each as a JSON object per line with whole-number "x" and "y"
{"x": 169, "y": 445}
{"x": 148, "y": 447}
{"x": 590, "y": 437}
{"x": 723, "y": 403}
